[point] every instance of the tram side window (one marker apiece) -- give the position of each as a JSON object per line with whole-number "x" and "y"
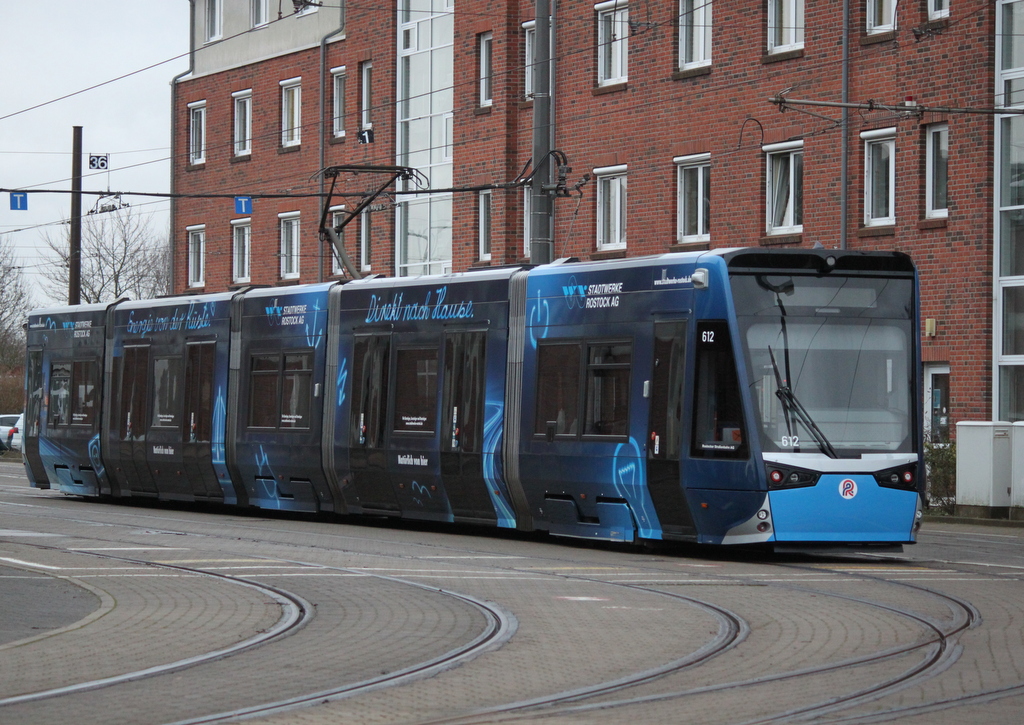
{"x": 166, "y": 392}
{"x": 416, "y": 391}
{"x": 83, "y": 397}
{"x": 134, "y": 393}
{"x": 34, "y": 379}
{"x": 558, "y": 385}
{"x": 281, "y": 390}
{"x": 607, "y": 401}
{"x": 199, "y": 392}
{"x": 718, "y": 428}
{"x": 297, "y": 390}
{"x": 263, "y": 395}
{"x": 60, "y": 394}
{"x": 369, "y": 390}
{"x": 464, "y": 392}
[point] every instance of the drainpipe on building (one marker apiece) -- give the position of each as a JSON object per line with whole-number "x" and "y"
{"x": 323, "y": 130}
{"x": 540, "y": 210}
{"x": 845, "y": 146}
{"x": 174, "y": 131}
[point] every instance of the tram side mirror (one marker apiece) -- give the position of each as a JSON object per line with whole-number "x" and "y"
{"x": 699, "y": 278}
{"x": 552, "y": 427}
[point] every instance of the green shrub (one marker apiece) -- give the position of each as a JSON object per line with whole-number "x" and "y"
{"x": 940, "y": 472}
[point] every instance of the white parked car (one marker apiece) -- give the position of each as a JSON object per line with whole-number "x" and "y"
{"x": 14, "y": 434}
{"x": 7, "y": 423}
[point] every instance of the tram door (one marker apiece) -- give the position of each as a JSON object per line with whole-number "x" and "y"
{"x": 462, "y": 425}
{"x": 133, "y": 408}
{"x": 369, "y": 485}
{"x": 33, "y": 416}
{"x": 197, "y": 453}
{"x": 665, "y": 435}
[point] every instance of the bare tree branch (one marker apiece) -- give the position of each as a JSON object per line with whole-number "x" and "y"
{"x": 15, "y": 302}
{"x": 121, "y": 257}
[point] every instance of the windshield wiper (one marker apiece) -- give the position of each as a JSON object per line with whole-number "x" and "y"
{"x": 792, "y": 406}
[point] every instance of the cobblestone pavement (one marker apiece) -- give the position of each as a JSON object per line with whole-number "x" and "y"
{"x": 147, "y": 614}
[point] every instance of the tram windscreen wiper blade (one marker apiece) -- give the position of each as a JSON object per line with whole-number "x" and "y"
{"x": 792, "y": 405}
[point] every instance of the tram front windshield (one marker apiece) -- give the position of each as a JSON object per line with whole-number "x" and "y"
{"x": 830, "y": 361}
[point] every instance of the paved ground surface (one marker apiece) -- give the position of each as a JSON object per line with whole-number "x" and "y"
{"x": 138, "y": 614}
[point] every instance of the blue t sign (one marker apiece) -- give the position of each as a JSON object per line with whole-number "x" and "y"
{"x": 243, "y": 205}
{"x": 19, "y": 201}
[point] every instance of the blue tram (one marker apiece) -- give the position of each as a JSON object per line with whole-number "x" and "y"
{"x": 738, "y": 396}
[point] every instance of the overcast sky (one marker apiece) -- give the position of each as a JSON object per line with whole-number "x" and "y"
{"x": 51, "y": 48}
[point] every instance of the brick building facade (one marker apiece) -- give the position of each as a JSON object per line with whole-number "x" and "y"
{"x": 666, "y": 104}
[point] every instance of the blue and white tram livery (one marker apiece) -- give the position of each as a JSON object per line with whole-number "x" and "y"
{"x": 741, "y": 396}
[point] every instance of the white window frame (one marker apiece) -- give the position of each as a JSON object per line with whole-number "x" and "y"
{"x": 527, "y": 219}
{"x": 307, "y": 10}
{"x": 694, "y": 33}
{"x": 612, "y": 200}
{"x": 612, "y": 42}
{"x": 701, "y": 163}
{"x": 792, "y": 217}
{"x": 241, "y": 258}
{"x": 197, "y": 133}
{"x": 484, "y": 230}
{"x": 366, "y": 95}
{"x": 289, "y": 226}
{"x": 365, "y": 239}
{"x": 937, "y": 136}
{"x": 291, "y": 112}
{"x": 259, "y": 13}
{"x": 242, "y": 122}
{"x": 881, "y": 16}
{"x": 529, "y": 56}
{"x": 214, "y": 20}
{"x": 196, "y": 255}
{"x": 485, "y": 51}
{"x": 873, "y": 139}
{"x": 338, "y": 87}
{"x": 785, "y": 25}
{"x": 338, "y": 215}
{"x": 938, "y": 9}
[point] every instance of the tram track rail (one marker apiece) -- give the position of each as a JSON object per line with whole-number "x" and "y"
{"x": 938, "y": 647}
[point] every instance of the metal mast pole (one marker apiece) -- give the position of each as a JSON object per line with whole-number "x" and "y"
{"x": 75, "y": 247}
{"x": 541, "y": 245}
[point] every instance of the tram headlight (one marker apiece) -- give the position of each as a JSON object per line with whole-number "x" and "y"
{"x": 903, "y": 477}
{"x": 779, "y": 477}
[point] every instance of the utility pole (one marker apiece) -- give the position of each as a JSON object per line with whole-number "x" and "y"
{"x": 541, "y": 244}
{"x": 75, "y": 250}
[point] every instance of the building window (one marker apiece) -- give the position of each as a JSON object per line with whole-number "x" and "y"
{"x": 937, "y": 150}
{"x": 879, "y": 177}
{"x": 484, "y": 50}
{"x": 785, "y": 186}
{"x": 197, "y": 133}
{"x": 365, "y": 239}
{"x": 196, "y": 255}
{"x": 291, "y": 112}
{"x": 785, "y": 25}
{"x": 612, "y": 42}
{"x": 611, "y": 207}
{"x": 881, "y": 16}
{"x": 693, "y": 184}
{"x": 241, "y": 250}
{"x": 338, "y": 215}
{"x": 425, "y": 107}
{"x": 527, "y": 219}
{"x": 305, "y": 7}
{"x": 529, "y": 56}
{"x": 338, "y": 101}
{"x": 213, "y": 20}
{"x": 483, "y": 223}
{"x": 938, "y": 9}
{"x": 694, "y": 33}
{"x": 260, "y": 12}
{"x": 243, "y": 122}
{"x": 366, "y": 95}
{"x": 289, "y": 245}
